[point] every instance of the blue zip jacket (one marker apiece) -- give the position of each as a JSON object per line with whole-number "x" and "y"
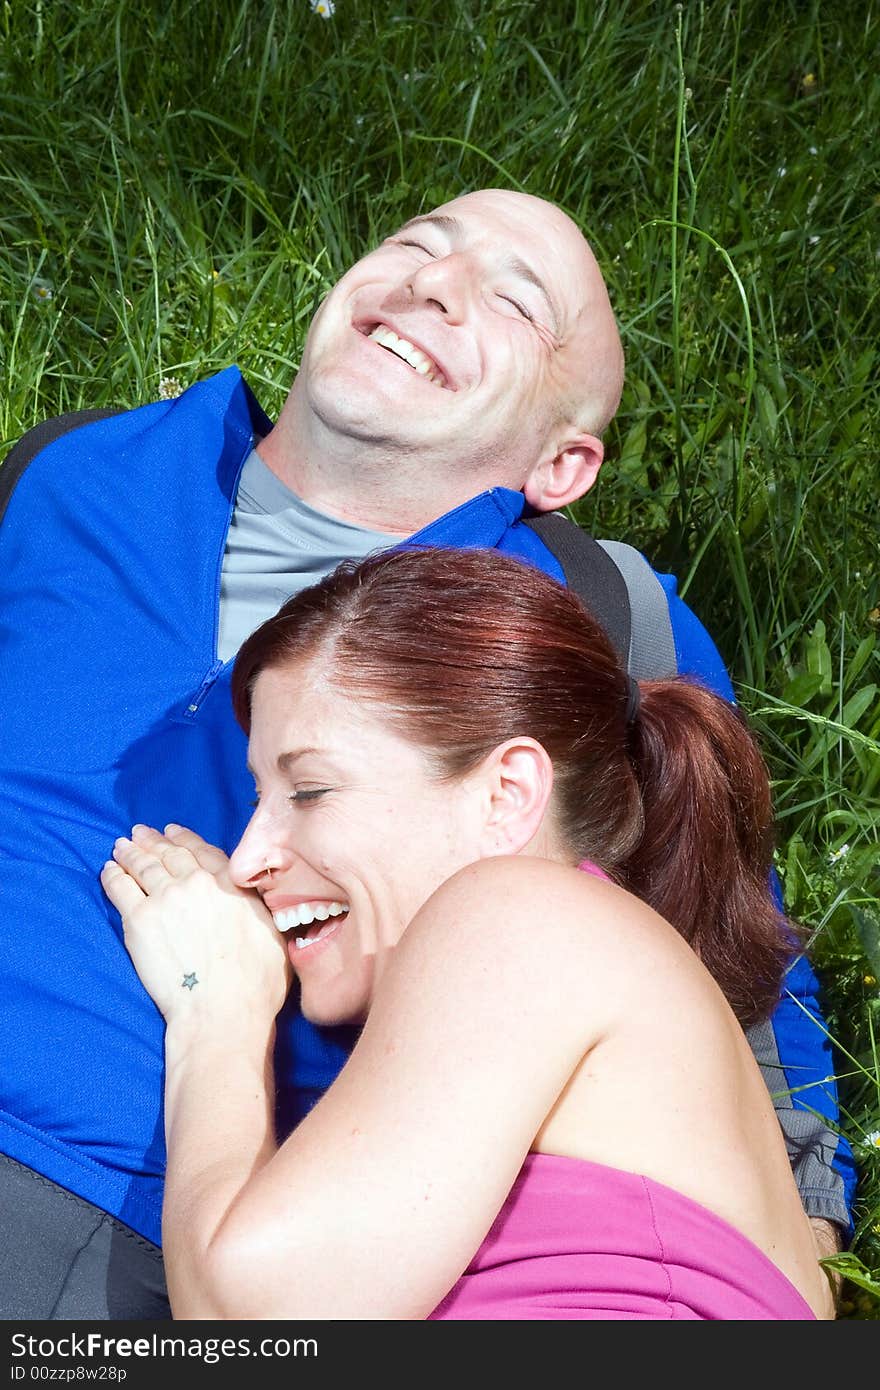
{"x": 116, "y": 710}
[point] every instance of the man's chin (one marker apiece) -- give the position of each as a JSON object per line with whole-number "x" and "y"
{"x": 373, "y": 410}
{"x": 385, "y": 432}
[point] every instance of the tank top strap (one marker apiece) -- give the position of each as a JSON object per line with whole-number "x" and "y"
{"x": 588, "y": 867}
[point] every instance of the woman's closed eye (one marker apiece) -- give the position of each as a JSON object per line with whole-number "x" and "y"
{"x": 303, "y": 796}
{"x": 306, "y": 794}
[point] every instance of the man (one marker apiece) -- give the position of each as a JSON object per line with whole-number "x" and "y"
{"x": 463, "y": 370}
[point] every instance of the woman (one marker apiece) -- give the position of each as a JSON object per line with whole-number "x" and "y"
{"x": 474, "y": 835}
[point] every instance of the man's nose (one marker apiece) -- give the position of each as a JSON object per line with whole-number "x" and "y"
{"x": 444, "y": 284}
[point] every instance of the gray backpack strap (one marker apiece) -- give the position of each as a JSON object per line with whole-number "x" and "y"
{"x": 652, "y": 644}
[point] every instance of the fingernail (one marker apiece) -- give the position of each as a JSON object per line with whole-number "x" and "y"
{"x": 172, "y": 828}
{"x": 139, "y": 832}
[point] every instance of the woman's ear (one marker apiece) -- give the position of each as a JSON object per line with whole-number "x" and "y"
{"x": 517, "y": 781}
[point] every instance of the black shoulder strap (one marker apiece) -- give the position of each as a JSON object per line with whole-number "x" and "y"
{"x": 591, "y": 573}
{"x": 30, "y": 444}
{"x": 616, "y": 583}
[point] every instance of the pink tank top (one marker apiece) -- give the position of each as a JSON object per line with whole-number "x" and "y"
{"x": 577, "y": 1239}
{"x": 588, "y": 867}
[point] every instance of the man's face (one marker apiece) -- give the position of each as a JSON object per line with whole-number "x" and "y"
{"x": 456, "y": 342}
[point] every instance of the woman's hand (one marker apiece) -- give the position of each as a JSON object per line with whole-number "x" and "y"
{"x": 198, "y": 943}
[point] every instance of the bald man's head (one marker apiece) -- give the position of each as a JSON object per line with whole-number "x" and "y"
{"x": 474, "y": 348}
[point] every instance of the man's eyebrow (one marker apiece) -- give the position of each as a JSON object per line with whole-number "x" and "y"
{"x": 525, "y": 272}
{"x": 440, "y": 220}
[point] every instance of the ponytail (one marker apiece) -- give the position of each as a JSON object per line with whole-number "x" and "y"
{"x": 704, "y": 857}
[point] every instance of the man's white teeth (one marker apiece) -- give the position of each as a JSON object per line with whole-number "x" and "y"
{"x": 417, "y": 359}
{"x": 305, "y": 913}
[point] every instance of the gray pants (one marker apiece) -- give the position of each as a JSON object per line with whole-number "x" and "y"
{"x": 62, "y": 1258}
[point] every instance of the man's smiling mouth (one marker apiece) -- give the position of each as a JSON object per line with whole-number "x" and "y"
{"x": 420, "y": 362}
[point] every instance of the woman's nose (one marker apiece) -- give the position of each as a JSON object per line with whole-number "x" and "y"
{"x": 255, "y": 856}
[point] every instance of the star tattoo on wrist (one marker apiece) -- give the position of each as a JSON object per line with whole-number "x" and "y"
{"x": 189, "y": 982}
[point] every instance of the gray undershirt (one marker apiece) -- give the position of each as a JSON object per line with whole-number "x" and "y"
{"x": 277, "y": 545}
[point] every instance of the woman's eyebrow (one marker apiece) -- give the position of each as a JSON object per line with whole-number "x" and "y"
{"x": 285, "y": 761}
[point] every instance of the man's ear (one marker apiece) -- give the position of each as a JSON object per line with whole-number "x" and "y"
{"x": 517, "y": 781}
{"x": 555, "y": 482}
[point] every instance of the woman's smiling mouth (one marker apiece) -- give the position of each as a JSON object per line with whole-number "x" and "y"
{"x": 319, "y": 917}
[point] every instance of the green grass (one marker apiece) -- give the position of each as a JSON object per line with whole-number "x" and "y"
{"x": 179, "y": 184}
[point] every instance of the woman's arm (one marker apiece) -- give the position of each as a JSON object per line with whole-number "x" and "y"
{"x": 377, "y": 1202}
{"x": 217, "y": 968}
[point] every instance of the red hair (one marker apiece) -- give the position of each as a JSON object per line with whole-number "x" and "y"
{"x": 461, "y": 650}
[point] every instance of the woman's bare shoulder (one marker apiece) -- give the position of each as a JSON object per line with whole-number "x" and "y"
{"x": 510, "y": 938}
{"x": 521, "y": 869}
{"x": 526, "y": 884}
{"x": 558, "y": 927}
{"x": 523, "y": 906}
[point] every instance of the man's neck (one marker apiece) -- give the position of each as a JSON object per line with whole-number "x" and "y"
{"x": 356, "y": 490}
{"x": 370, "y": 513}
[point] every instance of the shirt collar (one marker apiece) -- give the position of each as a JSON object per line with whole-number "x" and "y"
{"x": 479, "y": 522}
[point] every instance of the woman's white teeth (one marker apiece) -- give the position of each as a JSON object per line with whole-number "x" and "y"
{"x": 417, "y": 359}
{"x": 305, "y": 913}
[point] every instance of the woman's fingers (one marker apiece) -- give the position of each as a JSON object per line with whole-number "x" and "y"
{"x": 183, "y": 918}
{"x": 149, "y": 839}
{"x": 146, "y": 836}
{"x": 122, "y": 890}
{"x": 152, "y": 862}
{"x": 209, "y": 856}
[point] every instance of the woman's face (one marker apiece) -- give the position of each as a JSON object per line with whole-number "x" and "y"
{"x": 357, "y": 831}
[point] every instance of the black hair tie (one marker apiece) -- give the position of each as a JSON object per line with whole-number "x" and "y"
{"x": 633, "y": 700}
